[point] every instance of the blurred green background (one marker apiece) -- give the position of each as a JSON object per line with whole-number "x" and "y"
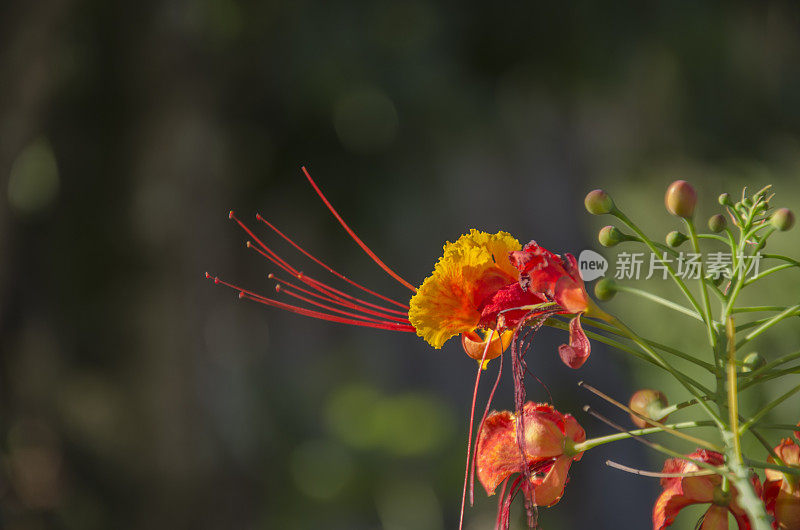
{"x": 134, "y": 394}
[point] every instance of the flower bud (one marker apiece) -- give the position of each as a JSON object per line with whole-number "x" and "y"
{"x": 681, "y": 199}
{"x": 782, "y": 219}
{"x": 610, "y": 236}
{"x": 716, "y": 223}
{"x": 598, "y": 202}
{"x": 725, "y": 199}
{"x": 649, "y": 403}
{"x": 675, "y": 239}
{"x": 605, "y": 289}
{"x": 752, "y": 362}
{"x": 747, "y": 203}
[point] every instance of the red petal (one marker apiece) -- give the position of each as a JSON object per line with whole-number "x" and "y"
{"x": 577, "y": 351}
{"x": 506, "y": 298}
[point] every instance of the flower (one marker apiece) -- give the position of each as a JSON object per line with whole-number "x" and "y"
{"x": 483, "y": 287}
{"x": 682, "y": 491}
{"x": 489, "y": 282}
{"x": 548, "y": 438}
{"x": 782, "y": 491}
{"x": 559, "y": 279}
{"x": 472, "y": 283}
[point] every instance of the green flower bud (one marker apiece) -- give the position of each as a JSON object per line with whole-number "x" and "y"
{"x": 610, "y": 236}
{"x": 605, "y": 289}
{"x": 649, "y": 403}
{"x": 716, "y": 223}
{"x": 725, "y": 199}
{"x": 747, "y": 203}
{"x": 782, "y": 219}
{"x": 680, "y": 199}
{"x": 598, "y": 202}
{"x": 752, "y": 362}
{"x": 675, "y": 239}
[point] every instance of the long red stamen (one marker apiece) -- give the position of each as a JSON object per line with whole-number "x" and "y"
{"x": 471, "y": 426}
{"x": 323, "y": 286}
{"x": 279, "y": 288}
{"x": 339, "y": 301}
{"x": 325, "y": 265}
{"x": 273, "y": 256}
{"x": 327, "y": 290}
{"x": 480, "y": 429}
{"x": 355, "y": 238}
{"x": 244, "y": 293}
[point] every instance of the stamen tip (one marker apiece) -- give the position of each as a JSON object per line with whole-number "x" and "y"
{"x": 231, "y": 215}
{"x": 258, "y": 217}
{"x": 580, "y": 383}
{"x": 241, "y": 295}
{"x": 587, "y": 408}
{"x": 249, "y": 244}
{"x": 207, "y": 275}
{"x": 216, "y": 279}
{"x": 278, "y": 288}
{"x": 271, "y": 275}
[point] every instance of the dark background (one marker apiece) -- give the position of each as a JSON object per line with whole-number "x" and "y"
{"x": 135, "y": 394}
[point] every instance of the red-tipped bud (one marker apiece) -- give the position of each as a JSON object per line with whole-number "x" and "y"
{"x": 598, "y": 202}
{"x": 717, "y": 223}
{"x": 782, "y": 219}
{"x": 610, "y": 236}
{"x": 680, "y": 199}
{"x": 650, "y": 404}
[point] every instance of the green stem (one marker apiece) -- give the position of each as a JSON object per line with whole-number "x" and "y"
{"x": 663, "y": 347}
{"x": 789, "y": 470}
{"x": 678, "y": 281}
{"x": 712, "y": 337}
{"x": 682, "y": 379}
{"x": 767, "y": 272}
{"x": 771, "y": 405}
{"x": 788, "y": 312}
{"x": 657, "y": 299}
{"x": 594, "y": 442}
{"x": 771, "y": 375}
{"x": 757, "y": 308}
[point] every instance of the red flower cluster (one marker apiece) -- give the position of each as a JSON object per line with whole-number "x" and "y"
{"x": 782, "y": 491}
{"x": 537, "y": 445}
{"x": 682, "y": 491}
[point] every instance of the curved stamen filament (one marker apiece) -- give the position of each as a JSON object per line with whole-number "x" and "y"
{"x": 355, "y": 238}
{"x": 325, "y": 265}
{"x": 244, "y": 293}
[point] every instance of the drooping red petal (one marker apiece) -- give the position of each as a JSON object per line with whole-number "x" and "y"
{"x": 577, "y": 351}
{"x": 497, "y": 455}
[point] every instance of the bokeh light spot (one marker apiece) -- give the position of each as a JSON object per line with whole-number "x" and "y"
{"x": 33, "y": 182}
{"x": 321, "y": 469}
{"x": 351, "y": 416}
{"x": 365, "y": 120}
{"x": 408, "y": 505}
{"x": 413, "y": 424}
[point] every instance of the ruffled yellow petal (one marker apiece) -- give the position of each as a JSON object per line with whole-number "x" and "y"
{"x": 471, "y": 269}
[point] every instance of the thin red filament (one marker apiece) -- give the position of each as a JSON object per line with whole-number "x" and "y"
{"x": 244, "y": 293}
{"x": 355, "y": 238}
{"x": 325, "y": 265}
